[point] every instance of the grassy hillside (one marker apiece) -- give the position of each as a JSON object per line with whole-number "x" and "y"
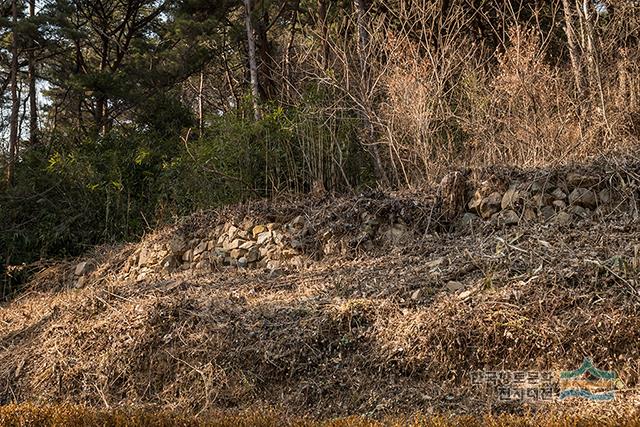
{"x": 375, "y": 305}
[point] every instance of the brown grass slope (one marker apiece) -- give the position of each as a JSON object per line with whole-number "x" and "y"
{"x": 375, "y": 333}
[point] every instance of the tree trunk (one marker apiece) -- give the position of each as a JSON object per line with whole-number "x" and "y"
{"x": 369, "y": 136}
{"x": 322, "y": 29}
{"x": 227, "y": 73}
{"x": 593, "y": 67}
{"x": 288, "y": 71}
{"x": 573, "y": 48}
{"x": 590, "y": 49}
{"x": 253, "y": 65}
{"x": 33, "y": 100}
{"x": 200, "y": 112}
{"x": 101, "y": 114}
{"x": 443, "y": 12}
{"x": 264, "y": 55}
{"x": 363, "y": 31}
{"x": 15, "y": 102}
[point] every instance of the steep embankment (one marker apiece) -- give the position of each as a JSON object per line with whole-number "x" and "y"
{"x": 372, "y": 304}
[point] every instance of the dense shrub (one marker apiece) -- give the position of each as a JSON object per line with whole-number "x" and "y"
{"x": 79, "y": 193}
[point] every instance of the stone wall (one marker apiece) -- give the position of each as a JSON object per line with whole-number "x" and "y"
{"x": 562, "y": 200}
{"x": 348, "y": 226}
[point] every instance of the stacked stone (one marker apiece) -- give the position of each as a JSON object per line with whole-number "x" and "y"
{"x": 575, "y": 197}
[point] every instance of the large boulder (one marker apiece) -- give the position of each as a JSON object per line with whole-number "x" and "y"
{"x": 510, "y": 198}
{"x": 575, "y": 180}
{"x": 583, "y": 197}
{"x": 177, "y": 245}
{"x": 490, "y": 205}
{"x": 508, "y": 217}
{"x": 85, "y": 267}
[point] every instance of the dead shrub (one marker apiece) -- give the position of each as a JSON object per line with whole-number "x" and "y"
{"x": 526, "y": 119}
{"x": 436, "y": 95}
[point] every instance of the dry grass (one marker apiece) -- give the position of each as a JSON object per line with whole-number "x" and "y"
{"x": 478, "y": 83}
{"x": 349, "y": 334}
{"x": 438, "y": 95}
{"x": 69, "y": 415}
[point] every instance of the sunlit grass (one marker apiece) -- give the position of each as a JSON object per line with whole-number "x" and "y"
{"x": 73, "y": 415}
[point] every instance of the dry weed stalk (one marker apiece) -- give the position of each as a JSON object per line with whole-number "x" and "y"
{"x": 434, "y": 95}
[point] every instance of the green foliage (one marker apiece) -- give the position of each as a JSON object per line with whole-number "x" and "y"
{"x": 75, "y": 197}
{"x": 112, "y": 188}
{"x": 91, "y": 190}
{"x": 165, "y": 116}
